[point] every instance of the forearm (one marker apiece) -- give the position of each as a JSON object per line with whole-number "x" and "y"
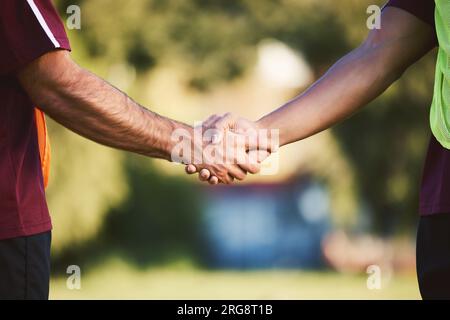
{"x": 96, "y": 110}
{"x": 351, "y": 83}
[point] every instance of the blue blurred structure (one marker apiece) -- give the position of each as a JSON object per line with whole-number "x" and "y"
{"x": 266, "y": 226}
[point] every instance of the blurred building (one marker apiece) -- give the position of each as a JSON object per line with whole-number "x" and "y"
{"x": 266, "y": 225}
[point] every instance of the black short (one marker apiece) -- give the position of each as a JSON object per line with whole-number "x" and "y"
{"x": 433, "y": 256}
{"x": 25, "y": 267}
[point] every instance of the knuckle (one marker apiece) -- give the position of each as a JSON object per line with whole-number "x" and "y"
{"x": 204, "y": 173}
{"x": 241, "y": 176}
{"x": 255, "y": 168}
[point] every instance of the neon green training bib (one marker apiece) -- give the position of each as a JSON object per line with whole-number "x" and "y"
{"x": 440, "y": 109}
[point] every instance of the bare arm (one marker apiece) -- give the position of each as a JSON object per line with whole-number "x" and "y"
{"x": 93, "y": 108}
{"x": 356, "y": 79}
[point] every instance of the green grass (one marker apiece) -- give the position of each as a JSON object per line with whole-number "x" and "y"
{"x": 117, "y": 280}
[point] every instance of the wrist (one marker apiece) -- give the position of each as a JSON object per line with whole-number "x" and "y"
{"x": 180, "y": 145}
{"x": 263, "y": 123}
{"x": 267, "y": 122}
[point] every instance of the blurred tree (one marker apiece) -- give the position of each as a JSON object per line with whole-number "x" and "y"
{"x": 214, "y": 40}
{"x": 159, "y": 221}
{"x": 87, "y": 180}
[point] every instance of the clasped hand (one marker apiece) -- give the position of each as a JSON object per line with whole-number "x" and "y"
{"x": 234, "y": 147}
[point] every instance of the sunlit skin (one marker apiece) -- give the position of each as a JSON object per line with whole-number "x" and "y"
{"x": 351, "y": 83}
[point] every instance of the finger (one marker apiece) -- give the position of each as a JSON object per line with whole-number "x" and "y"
{"x": 221, "y": 125}
{"x": 204, "y": 175}
{"x": 257, "y": 141}
{"x": 251, "y": 168}
{"x": 191, "y": 169}
{"x": 225, "y": 122}
{"x": 251, "y": 141}
{"x": 213, "y": 180}
{"x": 217, "y": 137}
{"x": 208, "y": 123}
{"x": 224, "y": 177}
{"x": 229, "y": 179}
{"x": 261, "y": 155}
{"x": 251, "y": 163}
{"x": 214, "y": 134}
{"x": 236, "y": 172}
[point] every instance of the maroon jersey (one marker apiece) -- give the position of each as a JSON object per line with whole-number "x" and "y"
{"x": 28, "y": 29}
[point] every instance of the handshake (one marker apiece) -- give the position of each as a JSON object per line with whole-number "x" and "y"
{"x": 224, "y": 148}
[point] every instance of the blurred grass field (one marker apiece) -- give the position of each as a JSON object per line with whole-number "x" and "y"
{"x": 118, "y": 280}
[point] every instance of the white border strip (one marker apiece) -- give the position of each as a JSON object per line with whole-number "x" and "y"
{"x": 43, "y": 24}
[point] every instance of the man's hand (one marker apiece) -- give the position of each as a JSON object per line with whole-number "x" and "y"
{"x": 226, "y": 159}
{"x": 255, "y": 141}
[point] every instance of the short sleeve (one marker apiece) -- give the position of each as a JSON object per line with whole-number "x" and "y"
{"x": 28, "y": 29}
{"x": 422, "y": 9}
